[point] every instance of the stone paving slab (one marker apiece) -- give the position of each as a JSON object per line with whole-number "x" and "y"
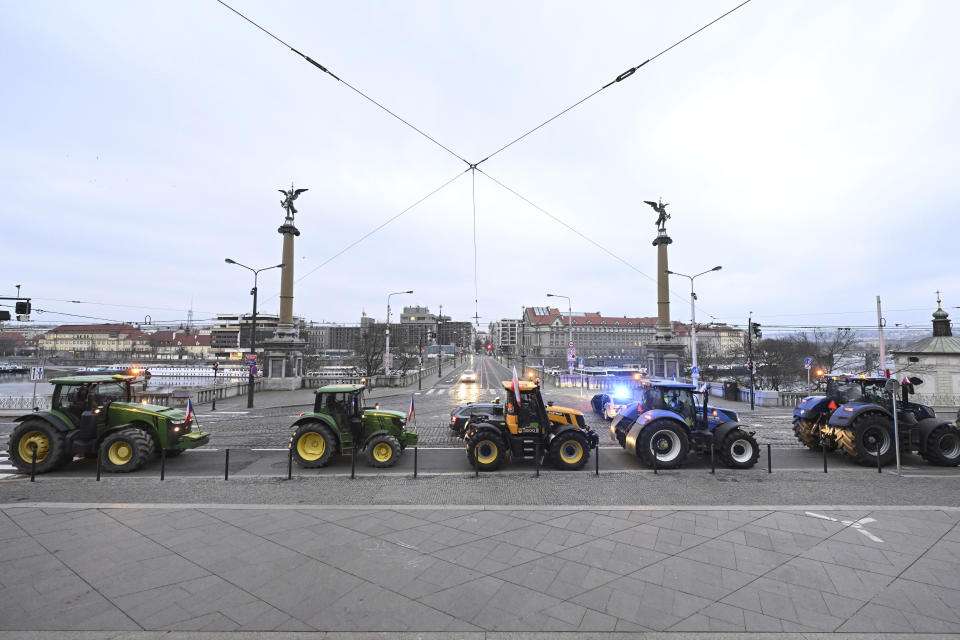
{"x": 498, "y": 572}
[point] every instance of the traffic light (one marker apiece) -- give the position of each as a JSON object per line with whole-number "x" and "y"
{"x": 756, "y": 330}
{"x": 23, "y": 308}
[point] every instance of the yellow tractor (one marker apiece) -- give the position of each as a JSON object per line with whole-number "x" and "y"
{"x": 529, "y": 428}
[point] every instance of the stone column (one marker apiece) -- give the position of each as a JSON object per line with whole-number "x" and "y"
{"x": 286, "y": 277}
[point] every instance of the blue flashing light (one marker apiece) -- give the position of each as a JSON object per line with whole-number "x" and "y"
{"x": 621, "y": 393}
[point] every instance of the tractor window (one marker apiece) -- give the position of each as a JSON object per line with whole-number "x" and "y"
{"x": 108, "y": 392}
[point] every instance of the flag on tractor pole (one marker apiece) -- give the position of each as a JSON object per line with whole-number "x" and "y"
{"x": 411, "y": 414}
{"x": 516, "y": 385}
{"x": 190, "y": 413}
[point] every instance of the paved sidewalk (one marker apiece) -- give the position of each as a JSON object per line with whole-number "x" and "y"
{"x": 477, "y": 570}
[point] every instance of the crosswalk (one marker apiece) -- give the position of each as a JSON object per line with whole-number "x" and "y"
{"x": 7, "y": 470}
{"x": 459, "y": 391}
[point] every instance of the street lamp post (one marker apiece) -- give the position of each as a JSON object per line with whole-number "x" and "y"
{"x": 439, "y": 344}
{"x": 695, "y": 372}
{"x": 253, "y": 322}
{"x": 386, "y": 351}
{"x": 570, "y": 325}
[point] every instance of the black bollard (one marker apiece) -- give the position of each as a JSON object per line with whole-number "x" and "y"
{"x": 290, "y": 463}
{"x": 163, "y": 462}
{"x": 226, "y": 465}
{"x": 99, "y": 466}
{"x": 414, "y": 462}
{"x": 33, "y": 464}
{"x": 654, "y": 463}
{"x": 536, "y": 450}
{"x": 879, "y": 469}
{"x": 713, "y": 460}
{"x": 769, "y": 459}
{"x": 476, "y": 464}
{"x": 353, "y": 462}
{"x": 597, "y": 459}
{"x": 823, "y": 445}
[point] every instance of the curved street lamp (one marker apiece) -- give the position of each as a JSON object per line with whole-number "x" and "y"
{"x": 253, "y": 321}
{"x": 695, "y": 372}
{"x": 386, "y": 352}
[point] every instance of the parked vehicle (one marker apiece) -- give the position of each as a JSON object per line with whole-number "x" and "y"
{"x": 856, "y": 416}
{"x": 95, "y": 415}
{"x": 485, "y": 411}
{"x": 340, "y": 422}
{"x": 609, "y": 405}
{"x": 468, "y": 375}
{"x": 669, "y": 421}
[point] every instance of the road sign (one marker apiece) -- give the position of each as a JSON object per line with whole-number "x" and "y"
{"x": 695, "y": 369}
{"x": 580, "y": 361}
{"x": 807, "y": 362}
{"x": 570, "y": 344}
{"x": 571, "y": 353}
{"x": 254, "y": 370}
{"x": 250, "y": 357}
{"x": 36, "y": 373}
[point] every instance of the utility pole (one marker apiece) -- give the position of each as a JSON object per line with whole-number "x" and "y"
{"x": 883, "y": 352}
{"x": 439, "y": 344}
{"x": 750, "y": 355}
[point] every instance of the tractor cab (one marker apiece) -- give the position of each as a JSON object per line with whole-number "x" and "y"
{"x": 529, "y": 415}
{"x": 78, "y": 395}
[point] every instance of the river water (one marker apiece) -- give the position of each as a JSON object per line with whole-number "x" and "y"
{"x": 19, "y": 384}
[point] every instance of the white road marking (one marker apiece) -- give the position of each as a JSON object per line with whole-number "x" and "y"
{"x": 854, "y": 524}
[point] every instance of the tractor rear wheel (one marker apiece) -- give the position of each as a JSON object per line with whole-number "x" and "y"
{"x": 942, "y": 447}
{"x": 569, "y": 450}
{"x": 807, "y": 434}
{"x": 869, "y": 435}
{"x": 485, "y": 449}
{"x": 125, "y": 450}
{"x": 313, "y": 445}
{"x": 383, "y": 451}
{"x": 739, "y": 450}
{"x": 51, "y": 446}
{"x": 664, "y": 444}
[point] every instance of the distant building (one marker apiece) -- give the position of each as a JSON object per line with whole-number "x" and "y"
{"x": 116, "y": 341}
{"x": 179, "y": 345}
{"x": 598, "y": 339}
{"x": 505, "y": 335}
{"x": 935, "y": 360}
{"x": 230, "y": 334}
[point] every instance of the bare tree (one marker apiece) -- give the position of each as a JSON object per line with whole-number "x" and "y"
{"x": 830, "y": 347}
{"x": 370, "y": 356}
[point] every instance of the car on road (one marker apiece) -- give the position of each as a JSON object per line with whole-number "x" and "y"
{"x": 468, "y": 375}
{"x": 461, "y": 415}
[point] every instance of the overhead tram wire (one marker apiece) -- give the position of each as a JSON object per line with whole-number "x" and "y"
{"x": 348, "y": 85}
{"x": 623, "y": 76}
{"x": 374, "y": 230}
{"x": 571, "y": 228}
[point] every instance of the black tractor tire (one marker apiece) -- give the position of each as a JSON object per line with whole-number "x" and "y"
{"x": 665, "y": 440}
{"x": 865, "y": 436}
{"x": 51, "y": 446}
{"x": 569, "y": 450}
{"x": 125, "y": 450}
{"x": 942, "y": 447}
{"x": 485, "y": 449}
{"x": 739, "y": 450}
{"x": 383, "y": 451}
{"x": 314, "y": 444}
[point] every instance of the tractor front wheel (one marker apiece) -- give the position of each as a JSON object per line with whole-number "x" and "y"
{"x": 383, "y": 451}
{"x": 125, "y": 450}
{"x": 40, "y": 436}
{"x": 313, "y": 445}
{"x": 942, "y": 447}
{"x": 486, "y": 450}
{"x": 664, "y": 444}
{"x": 739, "y": 450}
{"x": 569, "y": 450}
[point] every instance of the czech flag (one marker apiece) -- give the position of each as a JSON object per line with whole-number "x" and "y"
{"x": 412, "y": 412}
{"x": 190, "y": 413}
{"x": 516, "y": 385}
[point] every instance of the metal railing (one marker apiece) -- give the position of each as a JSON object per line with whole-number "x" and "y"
{"x": 24, "y": 402}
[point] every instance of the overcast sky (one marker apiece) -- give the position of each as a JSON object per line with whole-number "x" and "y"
{"x": 810, "y": 148}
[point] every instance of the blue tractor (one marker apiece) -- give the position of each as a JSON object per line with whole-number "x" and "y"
{"x": 670, "y": 421}
{"x": 856, "y": 416}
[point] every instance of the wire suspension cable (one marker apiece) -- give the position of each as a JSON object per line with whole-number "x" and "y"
{"x": 623, "y": 76}
{"x": 373, "y": 231}
{"x": 347, "y": 84}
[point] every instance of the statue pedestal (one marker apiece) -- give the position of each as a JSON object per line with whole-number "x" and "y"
{"x": 283, "y": 360}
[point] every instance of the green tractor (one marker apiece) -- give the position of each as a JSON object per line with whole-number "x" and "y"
{"x": 340, "y": 423}
{"x": 95, "y": 416}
